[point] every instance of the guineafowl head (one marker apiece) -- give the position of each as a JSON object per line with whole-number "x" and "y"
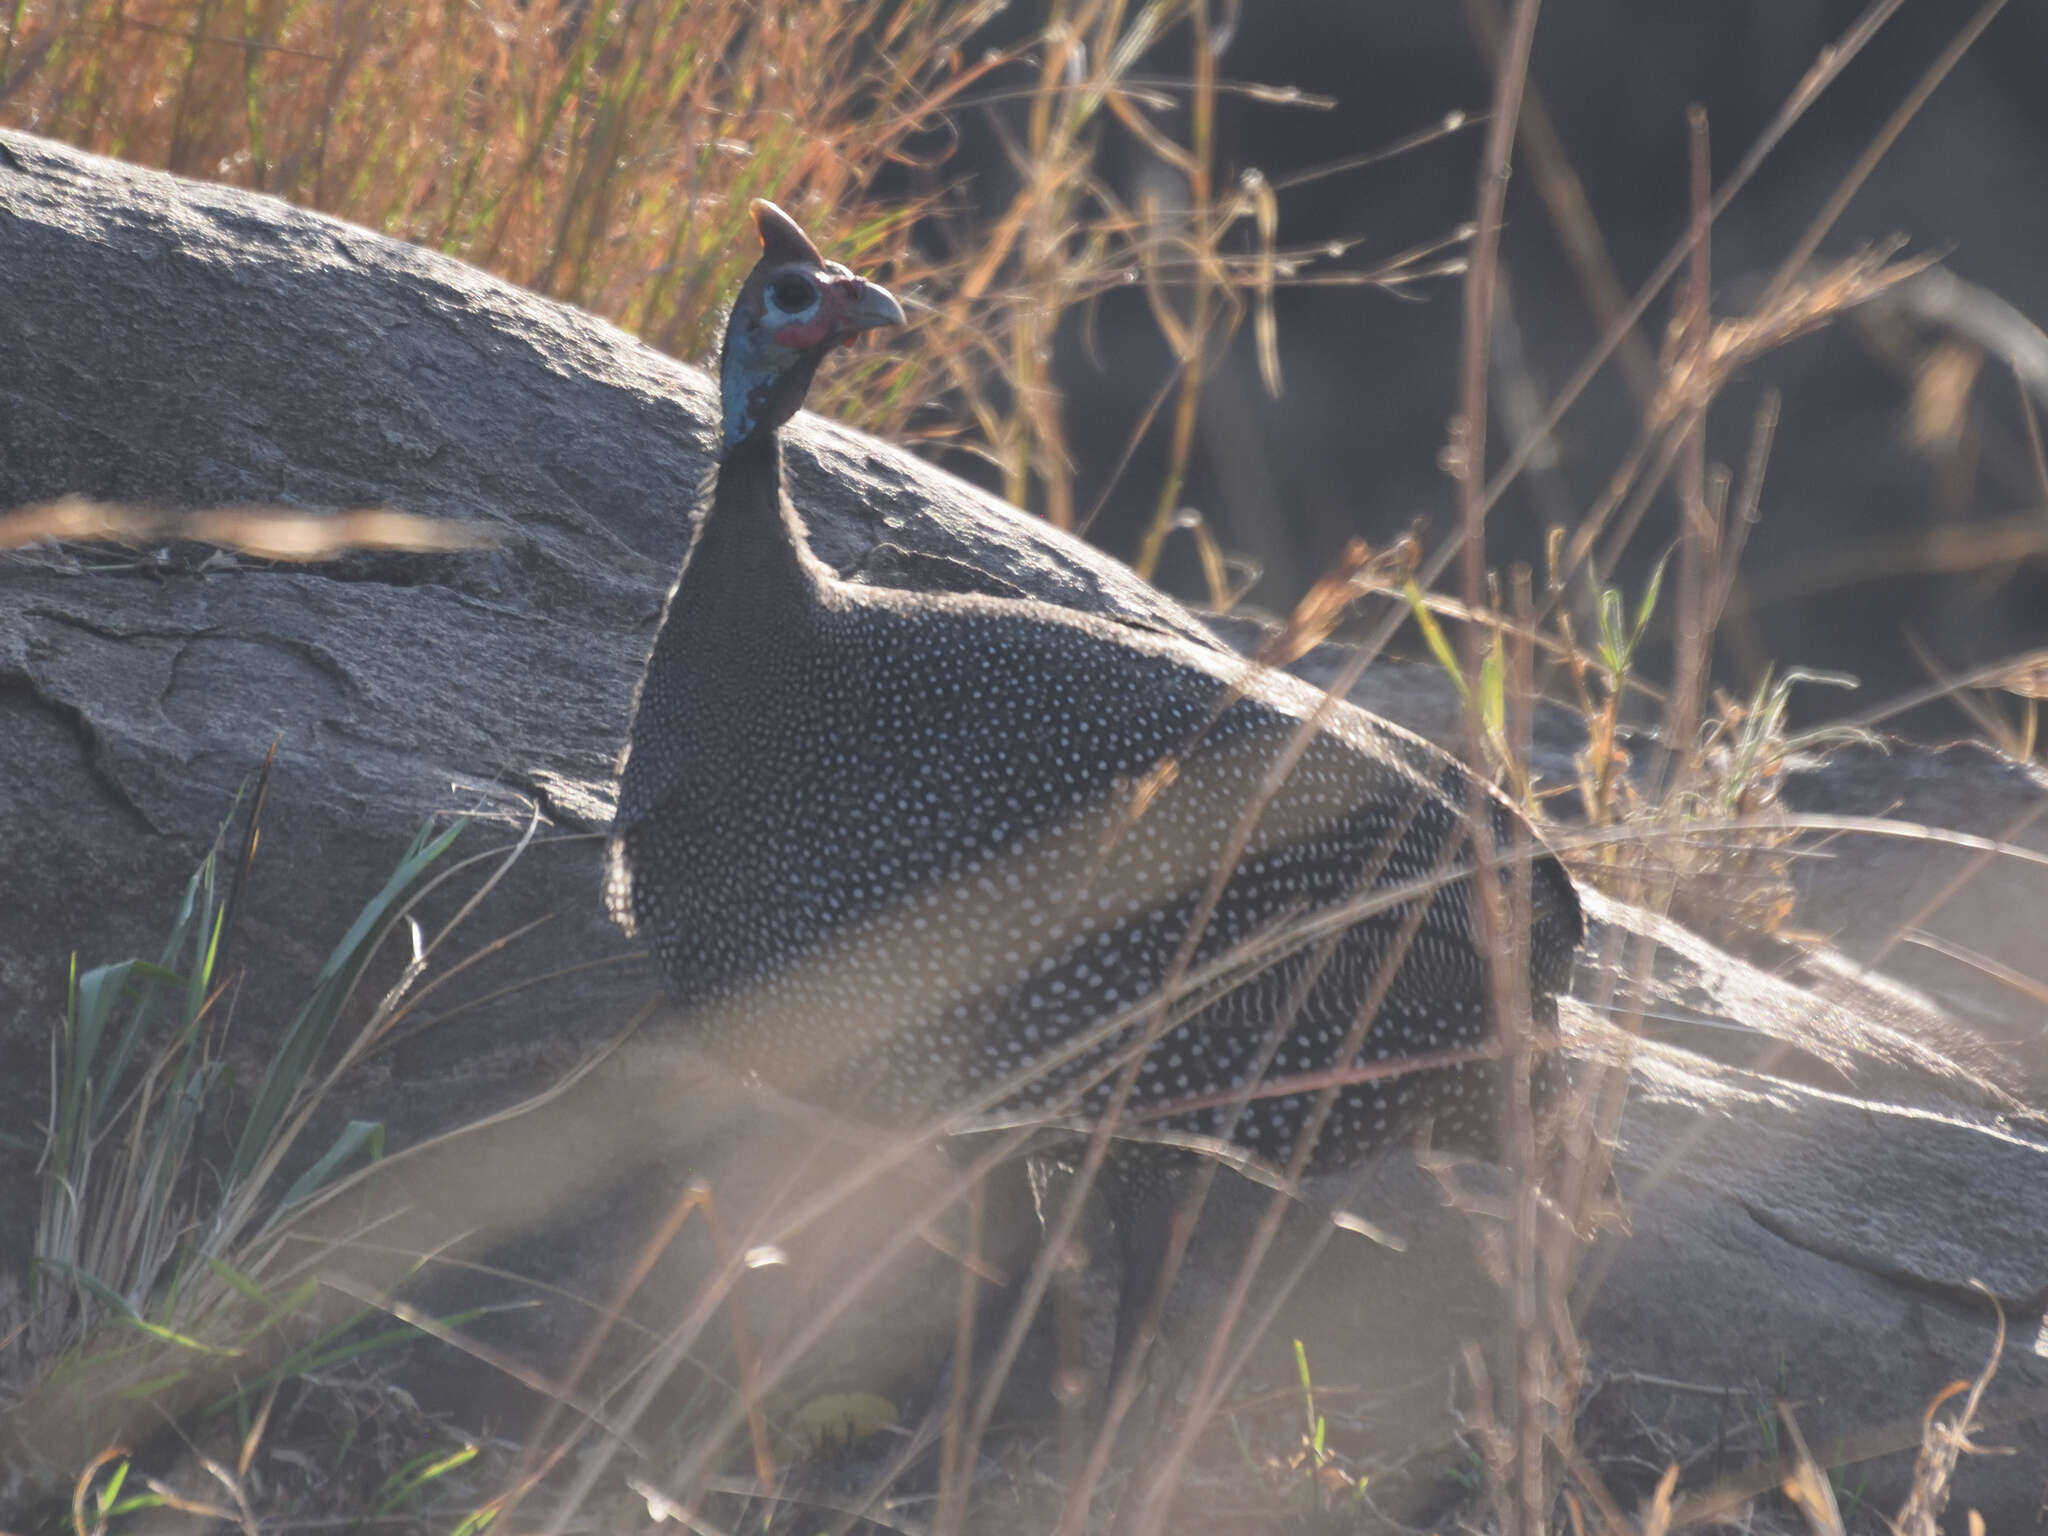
{"x": 795, "y": 307}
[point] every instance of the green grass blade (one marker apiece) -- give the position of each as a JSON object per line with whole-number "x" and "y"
{"x": 109, "y": 1298}
{"x": 1493, "y": 692}
{"x": 1614, "y": 647}
{"x": 235, "y": 1280}
{"x": 152, "y": 981}
{"x": 1648, "y": 606}
{"x": 95, "y": 994}
{"x": 327, "y": 1350}
{"x": 355, "y": 1136}
{"x": 1439, "y": 645}
{"x": 416, "y": 1474}
{"x": 172, "y": 1336}
{"x": 293, "y": 1064}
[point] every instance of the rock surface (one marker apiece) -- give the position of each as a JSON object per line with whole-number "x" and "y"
{"x": 1813, "y": 1190}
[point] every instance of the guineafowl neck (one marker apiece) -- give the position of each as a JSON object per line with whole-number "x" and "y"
{"x": 752, "y": 549}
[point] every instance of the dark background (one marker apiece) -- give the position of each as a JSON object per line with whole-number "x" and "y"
{"x": 1351, "y": 449}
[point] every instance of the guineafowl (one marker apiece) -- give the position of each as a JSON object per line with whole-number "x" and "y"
{"x": 899, "y": 852}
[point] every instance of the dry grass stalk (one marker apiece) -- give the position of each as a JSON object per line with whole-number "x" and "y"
{"x": 264, "y": 533}
{"x": 1944, "y": 1442}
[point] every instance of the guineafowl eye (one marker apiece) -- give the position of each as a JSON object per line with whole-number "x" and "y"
{"x": 793, "y": 294}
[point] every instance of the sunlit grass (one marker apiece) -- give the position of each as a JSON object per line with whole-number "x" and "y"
{"x": 605, "y": 155}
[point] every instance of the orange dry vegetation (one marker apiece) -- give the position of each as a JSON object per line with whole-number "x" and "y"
{"x": 603, "y": 154}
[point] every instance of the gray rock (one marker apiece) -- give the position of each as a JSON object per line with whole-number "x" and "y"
{"x": 1824, "y": 1250}
{"x": 1813, "y": 1178}
{"x": 1959, "y": 923}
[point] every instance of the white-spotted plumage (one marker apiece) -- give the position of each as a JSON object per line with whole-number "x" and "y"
{"x": 908, "y": 860}
{"x": 891, "y": 850}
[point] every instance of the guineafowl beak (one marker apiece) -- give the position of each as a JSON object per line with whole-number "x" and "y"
{"x": 868, "y": 306}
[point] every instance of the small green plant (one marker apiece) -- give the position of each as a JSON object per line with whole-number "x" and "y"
{"x": 1328, "y": 1479}
{"x": 1602, "y": 684}
{"x": 160, "y": 1284}
{"x": 96, "y": 1501}
{"x": 1317, "y": 1426}
{"x": 404, "y": 1486}
{"x": 1489, "y": 701}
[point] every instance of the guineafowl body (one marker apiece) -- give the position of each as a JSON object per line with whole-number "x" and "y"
{"x": 896, "y": 852}
{"x": 888, "y": 849}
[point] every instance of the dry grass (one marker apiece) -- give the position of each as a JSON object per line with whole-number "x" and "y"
{"x": 604, "y": 155}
